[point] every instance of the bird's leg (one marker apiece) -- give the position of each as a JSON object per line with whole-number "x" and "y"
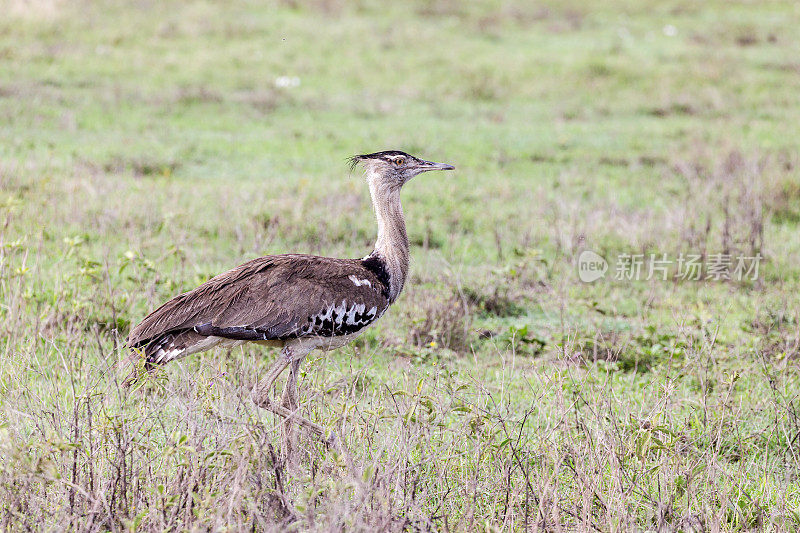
{"x": 261, "y": 392}
{"x": 289, "y": 401}
{"x": 262, "y": 399}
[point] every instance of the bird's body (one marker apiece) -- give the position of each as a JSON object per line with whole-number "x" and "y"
{"x": 271, "y": 300}
{"x": 297, "y": 302}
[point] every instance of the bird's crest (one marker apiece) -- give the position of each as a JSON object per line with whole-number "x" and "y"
{"x": 386, "y": 154}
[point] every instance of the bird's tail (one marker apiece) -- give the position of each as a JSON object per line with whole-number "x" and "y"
{"x": 131, "y": 367}
{"x": 145, "y": 358}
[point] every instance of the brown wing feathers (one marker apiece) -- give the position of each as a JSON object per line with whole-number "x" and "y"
{"x": 270, "y": 298}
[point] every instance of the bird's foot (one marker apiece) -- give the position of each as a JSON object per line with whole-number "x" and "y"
{"x": 292, "y": 417}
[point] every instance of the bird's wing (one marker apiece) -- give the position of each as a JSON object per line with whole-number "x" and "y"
{"x": 274, "y": 297}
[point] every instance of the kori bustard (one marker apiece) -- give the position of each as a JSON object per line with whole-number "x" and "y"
{"x": 296, "y": 302}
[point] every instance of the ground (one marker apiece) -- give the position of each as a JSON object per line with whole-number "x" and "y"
{"x": 146, "y": 146}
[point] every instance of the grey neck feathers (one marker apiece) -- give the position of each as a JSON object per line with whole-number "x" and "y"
{"x": 392, "y": 243}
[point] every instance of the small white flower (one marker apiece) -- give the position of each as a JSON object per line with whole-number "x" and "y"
{"x": 285, "y": 82}
{"x": 670, "y": 30}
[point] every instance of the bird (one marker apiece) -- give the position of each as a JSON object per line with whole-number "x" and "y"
{"x": 296, "y": 302}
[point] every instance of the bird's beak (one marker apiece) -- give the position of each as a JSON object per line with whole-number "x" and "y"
{"x": 425, "y": 166}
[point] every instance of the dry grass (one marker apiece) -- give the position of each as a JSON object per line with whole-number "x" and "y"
{"x": 436, "y": 318}
{"x": 187, "y": 453}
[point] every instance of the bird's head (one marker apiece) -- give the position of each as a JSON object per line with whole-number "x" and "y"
{"x": 393, "y": 168}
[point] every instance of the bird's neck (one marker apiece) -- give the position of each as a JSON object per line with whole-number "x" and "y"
{"x": 392, "y": 243}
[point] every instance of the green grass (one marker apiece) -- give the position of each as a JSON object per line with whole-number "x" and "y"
{"x": 145, "y": 147}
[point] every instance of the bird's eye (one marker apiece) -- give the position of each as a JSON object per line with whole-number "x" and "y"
{"x": 399, "y": 161}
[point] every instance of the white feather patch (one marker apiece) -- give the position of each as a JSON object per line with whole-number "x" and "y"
{"x": 359, "y": 282}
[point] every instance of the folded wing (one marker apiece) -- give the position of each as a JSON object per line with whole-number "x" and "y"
{"x": 271, "y": 298}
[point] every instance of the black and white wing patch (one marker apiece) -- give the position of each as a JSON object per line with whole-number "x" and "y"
{"x": 341, "y": 319}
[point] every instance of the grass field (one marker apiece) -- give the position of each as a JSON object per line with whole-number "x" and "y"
{"x": 146, "y": 146}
